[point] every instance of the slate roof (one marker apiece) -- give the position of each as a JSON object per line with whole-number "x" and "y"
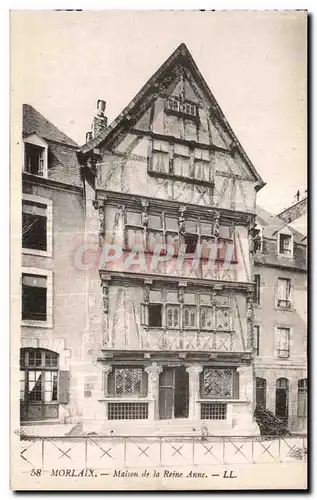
{"x": 183, "y": 56}
{"x": 269, "y": 256}
{"x": 33, "y": 121}
{"x": 63, "y": 165}
{"x": 271, "y": 223}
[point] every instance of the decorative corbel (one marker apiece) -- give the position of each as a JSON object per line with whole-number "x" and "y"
{"x": 145, "y": 212}
{"x": 181, "y": 219}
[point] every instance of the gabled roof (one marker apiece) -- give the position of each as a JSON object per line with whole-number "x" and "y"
{"x": 272, "y": 224}
{"x": 34, "y": 122}
{"x": 180, "y": 55}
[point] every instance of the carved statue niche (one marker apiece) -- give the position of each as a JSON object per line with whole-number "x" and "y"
{"x": 254, "y": 237}
{"x": 250, "y": 319}
{"x": 105, "y": 299}
{"x": 145, "y": 212}
{"x": 216, "y": 224}
{"x": 100, "y": 206}
{"x": 181, "y": 219}
{"x": 146, "y": 293}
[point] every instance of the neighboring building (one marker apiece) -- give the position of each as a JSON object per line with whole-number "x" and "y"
{"x": 175, "y": 350}
{"x": 52, "y": 289}
{"x": 280, "y": 275}
{"x": 296, "y": 215}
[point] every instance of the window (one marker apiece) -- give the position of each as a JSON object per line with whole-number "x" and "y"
{"x": 34, "y": 158}
{"x": 34, "y": 225}
{"x": 126, "y": 381}
{"x": 172, "y": 316}
{"x": 155, "y": 315}
{"x": 162, "y": 231}
{"x": 198, "y": 311}
{"x": 283, "y": 292}
{"x": 170, "y": 159}
{"x": 285, "y": 244}
{"x": 213, "y": 411}
{"x": 191, "y": 243}
{"x": 283, "y": 342}
{"x": 257, "y": 340}
{"x": 39, "y": 380}
{"x": 257, "y": 289}
{"x": 37, "y": 297}
{"x": 186, "y": 108}
{"x": 34, "y": 295}
{"x": 302, "y": 398}
{"x": 127, "y": 411}
{"x": 37, "y": 225}
{"x": 220, "y": 383}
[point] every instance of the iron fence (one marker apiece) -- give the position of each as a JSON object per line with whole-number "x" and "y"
{"x": 109, "y": 452}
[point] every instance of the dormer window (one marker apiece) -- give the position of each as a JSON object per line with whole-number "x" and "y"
{"x": 177, "y": 106}
{"x": 34, "y": 159}
{"x": 35, "y": 156}
{"x": 285, "y": 244}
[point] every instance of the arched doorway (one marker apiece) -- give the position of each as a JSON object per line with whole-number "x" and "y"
{"x": 260, "y": 392}
{"x": 281, "y": 399}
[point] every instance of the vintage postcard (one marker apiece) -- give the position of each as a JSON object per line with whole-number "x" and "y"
{"x": 159, "y": 250}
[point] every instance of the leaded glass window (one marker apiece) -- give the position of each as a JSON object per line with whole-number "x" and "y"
{"x": 128, "y": 381}
{"x": 218, "y": 383}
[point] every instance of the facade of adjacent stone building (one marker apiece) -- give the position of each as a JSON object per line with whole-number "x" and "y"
{"x": 280, "y": 323}
{"x": 137, "y": 297}
{"x": 53, "y": 303}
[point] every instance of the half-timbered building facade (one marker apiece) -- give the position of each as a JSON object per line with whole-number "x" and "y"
{"x": 170, "y": 199}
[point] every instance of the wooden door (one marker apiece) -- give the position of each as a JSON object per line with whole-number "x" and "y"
{"x": 167, "y": 393}
{"x": 281, "y": 408}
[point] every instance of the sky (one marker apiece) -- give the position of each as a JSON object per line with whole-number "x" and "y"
{"x": 254, "y": 62}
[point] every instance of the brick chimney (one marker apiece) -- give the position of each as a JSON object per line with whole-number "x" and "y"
{"x": 100, "y": 121}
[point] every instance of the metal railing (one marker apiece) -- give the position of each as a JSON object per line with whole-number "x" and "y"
{"x": 109, "y": 452}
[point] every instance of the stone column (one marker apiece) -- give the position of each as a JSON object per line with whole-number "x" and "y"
{"x": 194, "y": 372}
{"x": 106, "y": 370}
{"x": 153, "y": 372}
{"x": 270, "y": 393}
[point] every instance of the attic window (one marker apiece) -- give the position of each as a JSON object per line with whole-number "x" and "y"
{"x": 35, "y": 155}
{"x": 285, "y": 244}
{"x": 185, "y": 108}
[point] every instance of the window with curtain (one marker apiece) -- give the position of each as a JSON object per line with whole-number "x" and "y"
{"x": 283, "y": 292}
{"x": 283, "y": 342}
